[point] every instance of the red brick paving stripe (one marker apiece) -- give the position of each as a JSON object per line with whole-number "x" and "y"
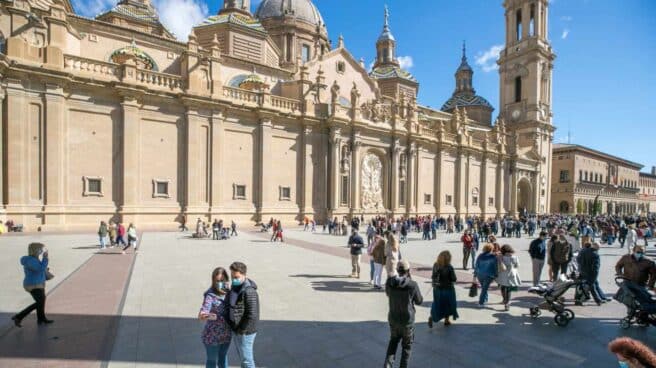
{"x": 85, "y": 307}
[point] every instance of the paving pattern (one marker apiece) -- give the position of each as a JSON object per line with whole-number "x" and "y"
{"x": 140, "y": 311}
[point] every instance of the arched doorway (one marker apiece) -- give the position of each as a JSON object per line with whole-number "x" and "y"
{"x": 372, "y": 183}
{"x": 524, "y": 195}
{"x": 564, "y": 207}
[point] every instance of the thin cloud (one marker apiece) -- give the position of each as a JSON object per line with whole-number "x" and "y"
{"x": 487, "y": 60}
{"x": 566, "y": 18}
{"x": 406, "y": 62}
{"x": 565, "y": 34}
{"x": 179, "y": 16}
{"x": 91, "y": 8}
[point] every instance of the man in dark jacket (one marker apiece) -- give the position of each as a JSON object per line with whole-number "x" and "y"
{"x": 356, "y": 244}
{"x": 538, "y": 252}
{"x": 561, "y": 254}
{"x": 589, "y": 264}
{"x": 403, "y": 294}
{"x": 637, "y": 268}
{"x": 244, "y": 313}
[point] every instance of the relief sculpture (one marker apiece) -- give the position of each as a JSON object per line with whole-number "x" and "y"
{"x": 372, "y": 183}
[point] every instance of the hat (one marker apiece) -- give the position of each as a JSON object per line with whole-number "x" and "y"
{"x": 403, "y": 267}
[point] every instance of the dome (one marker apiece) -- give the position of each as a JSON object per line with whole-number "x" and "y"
{"x": 302, "y": 9}
{"x": 144, "y": 60}
{"x": 465, "y": 100}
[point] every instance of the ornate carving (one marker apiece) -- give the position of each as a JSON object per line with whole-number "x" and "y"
{"x": 355, "y": 96}
{"x": 376, "y": 112}
{"x": 334, "y": 93}
{"x": 403, "y": 166}
{"x": 372, "y": 183}
{"x": 346, "y": 160}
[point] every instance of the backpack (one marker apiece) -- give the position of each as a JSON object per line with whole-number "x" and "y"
{"x": 561, "y": 252}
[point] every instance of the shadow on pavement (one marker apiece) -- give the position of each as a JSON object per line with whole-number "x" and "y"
{"x": 163, "y": 340}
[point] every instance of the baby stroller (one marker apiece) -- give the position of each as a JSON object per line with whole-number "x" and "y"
{"x": 640, "y": 304}
{"x": 552, "y": 294}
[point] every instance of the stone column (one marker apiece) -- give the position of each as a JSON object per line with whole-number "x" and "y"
{"x": 483, "y": 194}
{"x": 394, "y": 188}
{"x": 501, "y": 187}
{"x": 355, "y": 176}
{"x": 265, "y": 167}
{"x": 216, "y": 188}
{"x": 54, "y": 165}
{"x": 130, "y": 131}
{"x": 412, "y": 179}
{"x": 307, "y": 173}
{"x": 461, "y": 176}
{"x": 3, "y": 164}
{"x": 513, "y": 192}
{"x": 16, "y": 140}
{"x": 194, "y": 171}
{"x": 438, "y": 182}
{"x": 335, "y": 143}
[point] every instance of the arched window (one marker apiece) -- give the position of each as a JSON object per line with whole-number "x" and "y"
{"x": 518, "y": 22}
{"x": 385, "y": 55}
{"x": 305, "y": 54}
{"x": 518, "y": 89}
{"x": 586, "y": 176}
{"x": 531, "y": 25}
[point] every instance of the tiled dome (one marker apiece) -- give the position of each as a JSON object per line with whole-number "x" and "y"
{"x": 302, "y": 9}
{"x": 465, "y": 100}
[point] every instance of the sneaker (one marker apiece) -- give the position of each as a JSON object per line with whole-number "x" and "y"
{"x": 447, "y": 323}
{"x": 506, "y": 307}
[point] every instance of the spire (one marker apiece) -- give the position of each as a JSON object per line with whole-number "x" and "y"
{"x": 387, "y": 32}
{"x": 241, "y": 6}
{"x": 386, "y": 45}
{"x": 464, "y": 64}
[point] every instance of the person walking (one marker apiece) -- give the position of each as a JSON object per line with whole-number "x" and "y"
{"x": 132, "y": 238}
{"x": 637, "y": 268}
{"x": 622, "y": 233}
{"x": 485, "y": 271}
{"x": 356, "y": 244}
{"x": 508, "y": 277}
{"x": 183, "y": 223}
{"x": 35, "y": 270}
{"x": 216, "y": 230}
{"x": 403, "y": 294}
{"x": 589, "y": 265}
{"x": 243, "y": 313}
{"x": 538, "y": 252}
{"x": 444, "y": 278}
{"x": 120, "y": 235}
{"x": 113, "y": 233}
{"x": 216, "y": 334}
{"x": 467, "y": 246}
{"x": 392, "y": 255}
{"x": 631, "y": 238}
{"x": 561, "y": 254}
{"x": 102, "y": 234}
{"x": 233, "y": 229}
{"x": 378, "y": 255}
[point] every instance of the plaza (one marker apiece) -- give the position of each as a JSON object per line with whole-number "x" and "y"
{"x": 115, "y": 310}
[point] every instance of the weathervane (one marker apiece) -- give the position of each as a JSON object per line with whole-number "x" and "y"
{"x": 387, "y": 15}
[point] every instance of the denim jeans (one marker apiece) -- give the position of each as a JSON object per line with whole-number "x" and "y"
{"x": 244, "y": 345}
{"x": 371, "y": 265}
{"x": 405, "y": 335}
{"x": 473, "y": 257}
{"x": 485, "y": 285}
{"x": 102, "y": 242}
{"x": 217, "y": 356}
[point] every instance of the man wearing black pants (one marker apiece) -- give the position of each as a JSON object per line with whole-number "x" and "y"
{"x": 403, "y": 294}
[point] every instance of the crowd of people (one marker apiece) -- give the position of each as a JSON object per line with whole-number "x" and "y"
{"x": 115, "y": 235}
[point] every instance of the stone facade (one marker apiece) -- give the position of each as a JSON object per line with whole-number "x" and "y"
{"x": 252, "y": 118}
{"x": 588, "y": 181}
{"x": 647, "y": 194}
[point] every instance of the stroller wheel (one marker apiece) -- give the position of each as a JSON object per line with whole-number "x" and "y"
{"x": 535, "y": 312}
{"x": 561, "y": 319}
{"x": 569, "y": 313}
{"x": 625, "y": 323}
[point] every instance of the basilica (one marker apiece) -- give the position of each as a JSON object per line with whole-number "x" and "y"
{"x": 258, "y": 115}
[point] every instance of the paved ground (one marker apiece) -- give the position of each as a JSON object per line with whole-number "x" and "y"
{"x": 111, "y": 312}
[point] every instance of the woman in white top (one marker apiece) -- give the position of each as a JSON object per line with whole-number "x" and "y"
{"x": 508, "y": 277}
{"x": 132, "y": 238}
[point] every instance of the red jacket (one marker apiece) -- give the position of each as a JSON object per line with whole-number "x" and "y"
{"x": 467, "y": 241}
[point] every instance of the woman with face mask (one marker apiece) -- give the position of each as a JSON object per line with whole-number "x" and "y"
{"x": 216, "y": 334}
{"x": 35, "y": 266}
{"x": 631, "y": 353}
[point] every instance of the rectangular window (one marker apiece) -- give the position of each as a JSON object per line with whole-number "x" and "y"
{"x": 475, "y": 201}
{"x": 345, "y": 191}
{"x": 518, "y": 89}
{"x": 305, "y": 54}
{"x": 490, "y": 201}
{"x": 285, "y": 193}
{"x": 92, "y": 186}
{"x": 448, "y": 200}
{"x": 238, "y": 192}
{"x": 402, "y": 194}
{"x": 161, "y": 188}
{"x": 428, "y": 199}
{"x": 564, "y": 176}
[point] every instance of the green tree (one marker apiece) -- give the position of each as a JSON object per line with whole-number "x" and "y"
{"x": 579, "y": 206}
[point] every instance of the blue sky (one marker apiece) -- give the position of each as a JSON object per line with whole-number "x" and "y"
{"x": 604, "y": 79}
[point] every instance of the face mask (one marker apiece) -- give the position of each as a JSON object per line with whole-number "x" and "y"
{"x": 639, "y": 256}
{"x": 220, "y": 285}
{"x": 624, "y": 365}
{"x": 236, "y": 282}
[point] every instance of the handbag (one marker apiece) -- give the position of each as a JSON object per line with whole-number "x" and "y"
{"x": 473, "y": 290}
{"x": 49, "y": 275}
{"x": 501, "y": 266}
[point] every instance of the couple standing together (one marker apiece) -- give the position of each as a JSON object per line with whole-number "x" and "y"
{"x": 231, "y": 311}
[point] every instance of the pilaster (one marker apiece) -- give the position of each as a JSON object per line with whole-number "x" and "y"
{"x": 16, "y": 149}
{"x": 3, "y": 160}
{"x": 412, "y": 179}
{"x": 438, "y": 182}
{"x": 216, "y": 186}
{"x": 500, "y": 187}
{"x": 355, "y": 175}
{"x": 131, "y": 131}
{"x": 394, "y": 188}
{"x": 483, "y": 195}
{"x": 307, "y": 172}
{"x": 335, "y": 142}
{"x": 54, "y": 163}
{"x": 461, "y": 177}
{"x": 265, "y": 167}
{"x": 194, "y": 172}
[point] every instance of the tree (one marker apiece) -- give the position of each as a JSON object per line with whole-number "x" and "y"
{"x": 579, "y": 206}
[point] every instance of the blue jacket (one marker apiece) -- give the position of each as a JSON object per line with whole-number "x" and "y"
{"x": 35, "y": 270}
{"x": 486, "y": 266}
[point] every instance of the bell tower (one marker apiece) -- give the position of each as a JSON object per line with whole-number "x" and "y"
{"x": 525, "y": 68}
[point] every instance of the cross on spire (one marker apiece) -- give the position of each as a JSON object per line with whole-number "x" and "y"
{"x": 387, "y": 15}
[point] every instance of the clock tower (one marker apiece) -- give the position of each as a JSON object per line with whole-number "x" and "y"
{"x": 525, "y": 68}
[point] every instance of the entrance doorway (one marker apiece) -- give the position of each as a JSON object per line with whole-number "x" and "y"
{"x": 524, "y": 203}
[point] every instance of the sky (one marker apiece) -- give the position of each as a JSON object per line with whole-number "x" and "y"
{"x": 604, "y": 87}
